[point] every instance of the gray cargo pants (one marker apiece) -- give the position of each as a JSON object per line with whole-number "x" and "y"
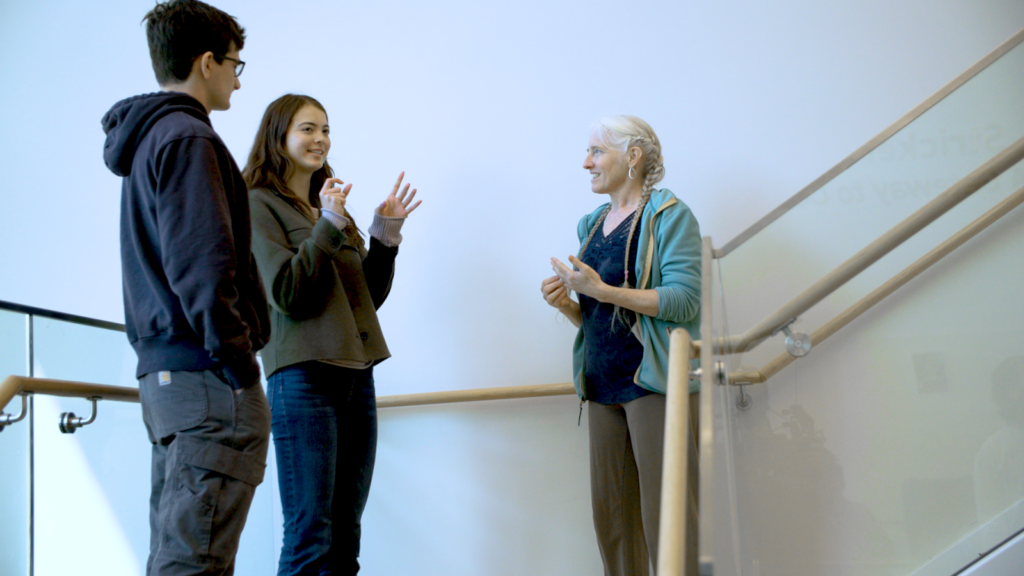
{"x": 209, "y": 454}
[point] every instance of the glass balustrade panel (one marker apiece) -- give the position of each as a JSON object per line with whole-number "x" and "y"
{"x": 897, "y": 445}
{"x": 93, "y": 486}
{"x": 474, "y": 488}
{"x": 719, "y": 540}
{"x": 15, "y": 463}
{"x": 949, "y": 141}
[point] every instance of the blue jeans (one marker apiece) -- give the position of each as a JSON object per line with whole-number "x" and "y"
{"x": 324, "y": 420}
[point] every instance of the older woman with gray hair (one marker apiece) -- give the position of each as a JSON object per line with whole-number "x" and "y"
{"x": 636, "y": 276}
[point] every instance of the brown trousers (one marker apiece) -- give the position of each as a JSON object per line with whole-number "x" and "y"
{"x": 626, "y": 449}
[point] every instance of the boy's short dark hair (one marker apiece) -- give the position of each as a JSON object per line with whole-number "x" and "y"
{"x": 179, "y": 31}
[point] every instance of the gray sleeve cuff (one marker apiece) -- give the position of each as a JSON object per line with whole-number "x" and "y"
{"x": 336, "y": 220}
{"x": 387, "y": 229}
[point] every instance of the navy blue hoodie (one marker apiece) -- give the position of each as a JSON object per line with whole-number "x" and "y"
{"x": 193, "y": 299}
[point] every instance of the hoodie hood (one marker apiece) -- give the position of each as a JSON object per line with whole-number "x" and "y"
{"x": 128, "y": 122}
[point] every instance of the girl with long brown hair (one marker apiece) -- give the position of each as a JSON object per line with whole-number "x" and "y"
{"x": 324, "y": 285}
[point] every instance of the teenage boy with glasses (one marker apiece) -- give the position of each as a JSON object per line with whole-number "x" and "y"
{"x": 195, "y": 310}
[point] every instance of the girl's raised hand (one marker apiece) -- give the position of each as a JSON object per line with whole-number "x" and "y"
{"x": 333, "y": 197}
{"x": 399, "y": 205}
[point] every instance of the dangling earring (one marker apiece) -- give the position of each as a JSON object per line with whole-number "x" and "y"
{"x": 630, "y": 174}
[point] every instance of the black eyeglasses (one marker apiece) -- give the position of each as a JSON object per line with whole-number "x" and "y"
{"x": 239, "y": 65}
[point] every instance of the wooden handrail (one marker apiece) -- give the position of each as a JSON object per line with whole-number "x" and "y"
{"x": 674, "y": 477}
{"x": 14, "y": 385}
{"x": 475, "y": 395}
{"x": 674, "y": 550}
{"x": 875, "y": 251}
{"x": 880, "y": 293}
{"x": 870, "y": 145}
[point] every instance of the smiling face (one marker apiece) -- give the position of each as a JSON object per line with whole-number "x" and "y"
{"x": 608, "y": 167}
{"x": 308, "y": 141}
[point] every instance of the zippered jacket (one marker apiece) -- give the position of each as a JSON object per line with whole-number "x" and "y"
{"x": 668, "y": 260}
{"x": 193, "y": 299}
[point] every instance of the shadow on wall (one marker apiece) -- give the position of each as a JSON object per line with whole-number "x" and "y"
{"x": 795, "y": 519}
{"x": 999, "y": 464}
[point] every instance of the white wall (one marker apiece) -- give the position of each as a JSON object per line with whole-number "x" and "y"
{"x": 486, "y": 107}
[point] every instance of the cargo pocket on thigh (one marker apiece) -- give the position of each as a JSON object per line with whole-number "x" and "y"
{"x": 227, "y": 479}
{"x": 220, "y": 458}
{"x": 187, "y": 520}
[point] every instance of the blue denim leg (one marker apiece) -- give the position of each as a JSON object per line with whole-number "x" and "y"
{"x": 356, "y": 456}
{"x": 325, "y": 433}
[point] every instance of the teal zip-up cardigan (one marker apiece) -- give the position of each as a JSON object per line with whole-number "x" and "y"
{"x": 668, "y": 259}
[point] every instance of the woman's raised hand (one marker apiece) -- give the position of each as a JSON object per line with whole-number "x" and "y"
{"x": 399, "y": 205}
{"x": 333, "y": 197}
{"x": 555, "y": 293}
{"x": 584, "y": 281}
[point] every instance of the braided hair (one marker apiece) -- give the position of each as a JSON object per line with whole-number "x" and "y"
{"x": 623, "y": 133}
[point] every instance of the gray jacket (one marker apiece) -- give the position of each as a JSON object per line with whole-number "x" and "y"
{"x": 324, "y": 287}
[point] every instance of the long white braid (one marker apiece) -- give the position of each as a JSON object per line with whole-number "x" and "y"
{"x": 628, "y": 132}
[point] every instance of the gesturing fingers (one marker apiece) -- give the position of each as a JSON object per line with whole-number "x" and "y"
{"x": 583, "y": 280}
{"x": 561, "y": 270}
{"x": 579, "y": 264}
{"x": 550, "y": 284}
{"x": 401, "y": 195}
{"x": 407, "y": 202}
{"x": 554, "y": 291}
{"x": 333, "y": 192}
{"x": 398, "y": 183}
{"x": 333, "y": 184}
{"x": 558, "y": 298}
{"x": 333, "y": 199}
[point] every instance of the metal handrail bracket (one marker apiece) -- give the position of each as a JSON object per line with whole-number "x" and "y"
{"x": 8, "y": 419}
{"x": 23, "y": 385}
